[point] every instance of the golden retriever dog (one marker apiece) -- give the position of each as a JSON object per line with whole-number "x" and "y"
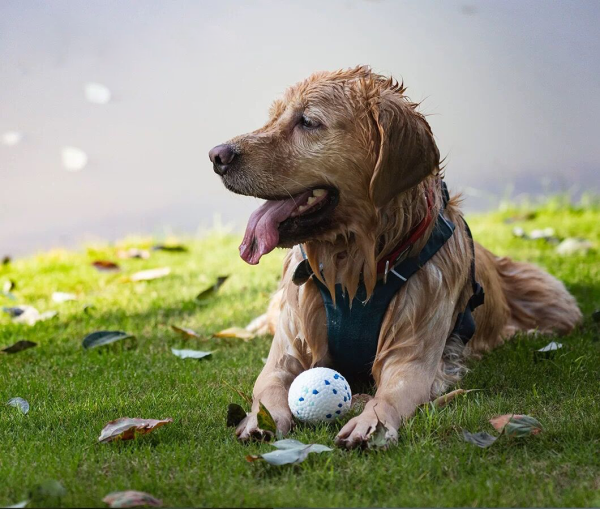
{"x": 348, "y": 166}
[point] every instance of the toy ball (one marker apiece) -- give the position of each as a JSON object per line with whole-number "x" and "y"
{"x": 319, "y": 395}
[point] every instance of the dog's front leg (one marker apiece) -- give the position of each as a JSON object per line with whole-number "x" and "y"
{"x": 271, "y": 389}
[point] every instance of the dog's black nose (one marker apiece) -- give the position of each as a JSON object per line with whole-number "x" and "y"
{"x": 222, "y": 156}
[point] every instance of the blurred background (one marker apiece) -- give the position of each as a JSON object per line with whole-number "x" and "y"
{"x": 108, "y": 108}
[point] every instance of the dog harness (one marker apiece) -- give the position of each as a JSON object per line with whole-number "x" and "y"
{"x": 353, "y": 330}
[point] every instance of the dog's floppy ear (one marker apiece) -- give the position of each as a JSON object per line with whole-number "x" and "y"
{"x": 407, "y": 152}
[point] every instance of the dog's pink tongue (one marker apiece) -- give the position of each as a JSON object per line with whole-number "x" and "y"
{"x": 262, "y": 235}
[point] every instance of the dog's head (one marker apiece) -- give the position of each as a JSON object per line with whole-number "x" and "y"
{"x": 338, "y": 147}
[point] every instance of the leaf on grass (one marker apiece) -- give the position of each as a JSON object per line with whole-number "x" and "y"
{"x": 131, "y": 498}
{"x": 190, "y": 354}
{"x": 126, "y": 428}
{"x": 265, "y": 419}
{"x": 481, "y": 439}
{"x": 444, "y": 399}
{"x": 8, "y": 286}
{"x": 149, "y": 275}
{"x": 205, "y": 294}
{"x": 63, "y": 297}
{"x": 106, "y": 266}
{"x": 359, "y": 401}
{"x": 19, "y": 505}
{"x": 104, "y": 337}
{"x": 289, "y": 452}
{"x": 133, "y": 252}
{"x": 28, "y": 314}
{"x": 51, "y": 489}
{"x": 185, "y": 332}
{"x": 516, "y": 426}
{"x": 235, "y": 415}
{"x": 235, "y": 332}
{"x": 19, "y": 346}
{"x": 19, "y": 403}
{"x": 549, "y": 350}
{"x": 170, "y": 248}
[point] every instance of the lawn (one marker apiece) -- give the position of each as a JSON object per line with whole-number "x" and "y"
{"x": 196, "y": 461}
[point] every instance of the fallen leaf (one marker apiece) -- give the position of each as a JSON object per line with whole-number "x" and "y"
{"x": 149, "y": 275}
{"x": 8, "y": 286}
{"x": 126, "y": 428}
{"x": 133, "y": 252}
{"x": 234, "y": 332}
{"x": 516, "y": 426}
{"x": 265, "y": 419}
{"x": 97, "y": 93}
{"x": 481, "y": 439}
{"x": 549, "y": 350}
{"x": 213, "y": 289}
{"x": 51, "y": 489}
{"x": 185, "y": 332}
{"x": 571, "y": 246}
{"x": 444, "y": 399}
{"x": 104, "y": 337}
{"x": 28, "y": 314}
{"x": 131, "y": 498}
{"x": 19, "y": 403}
{"x": 170, "y": 248}
{"x": 63, "y": 297}
{"x": 19, "y": 346}
{"x": 190, "y": 354}
{"x": 19, "y": 505}
{"x": 378, "y": 439}
{"x": 289, "y": 452}
{"x": 235, "y": 415}
{"x": 106, "y": 266}
{"x": 527, "y": 216}
{"x": 73, "y": 158}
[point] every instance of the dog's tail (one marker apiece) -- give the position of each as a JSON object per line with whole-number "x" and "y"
{"x": 536, "y": 300}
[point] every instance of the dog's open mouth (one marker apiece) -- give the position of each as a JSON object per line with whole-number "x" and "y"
{"x": 284, "y": 222}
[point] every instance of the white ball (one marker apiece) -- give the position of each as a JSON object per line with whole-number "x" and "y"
{"x": 319, "y": 395}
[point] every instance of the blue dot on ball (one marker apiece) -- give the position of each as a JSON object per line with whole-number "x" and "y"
{"x": 328, "y": 416}
{"x": 336, "y": 376}
{"x": 301, "y": 399}
{"x": 338, "y": 411}
{"x": 315, "y": 391}
{"x": 327, "y": 382}
{"x": 339, "y": 405}
{"x": 344, "y": 398}
{"x": 334, "y": 391}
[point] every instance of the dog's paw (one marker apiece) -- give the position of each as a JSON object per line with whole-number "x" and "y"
{"x": 248, "y": 429}
{"x": 363, "y": 432}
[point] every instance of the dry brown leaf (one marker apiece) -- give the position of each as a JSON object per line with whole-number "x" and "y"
{"x": 185, "y": 332}
{"x": 235, "y": 332}
{"x": 106, "y": 266}
{"x": 149, "y": 275}
{"x": 126, "y": 428}
{"x": 516, "y": 425}
{"x": 131, "y": 498}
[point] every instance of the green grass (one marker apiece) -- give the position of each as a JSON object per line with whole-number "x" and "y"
{"x": 195, "y": 461}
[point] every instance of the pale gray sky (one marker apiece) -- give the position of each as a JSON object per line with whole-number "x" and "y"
{"x": 512, "y": 88}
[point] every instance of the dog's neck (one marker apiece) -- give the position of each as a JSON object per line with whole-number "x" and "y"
{"x": 353, "y": 255}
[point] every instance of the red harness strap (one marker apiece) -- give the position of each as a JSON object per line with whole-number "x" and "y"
{"x": 416, "y": 233}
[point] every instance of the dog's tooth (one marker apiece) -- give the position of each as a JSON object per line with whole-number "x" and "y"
{"x": 318, "y": 192}
{"x": 302, "y": 208}
{"x": 311, "y": 199}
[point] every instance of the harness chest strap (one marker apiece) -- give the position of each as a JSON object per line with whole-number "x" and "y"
{"x": 353, "y": 331}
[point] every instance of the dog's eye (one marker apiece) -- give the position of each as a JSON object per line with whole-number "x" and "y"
{"x": 309, "y": 123}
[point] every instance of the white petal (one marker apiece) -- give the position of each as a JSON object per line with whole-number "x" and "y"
{"x": 73, "y": 158}
{"x": 12, "y": 138}
{"x": 97, "y": 93}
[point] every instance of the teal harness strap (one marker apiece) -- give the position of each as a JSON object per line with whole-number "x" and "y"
{"x": 353, "y": 332}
